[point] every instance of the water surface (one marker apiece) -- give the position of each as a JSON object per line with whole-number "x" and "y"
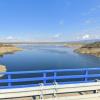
{"x": 42, "y": 57}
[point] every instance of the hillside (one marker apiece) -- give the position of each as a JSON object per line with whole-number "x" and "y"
{"x": 92, "y": 49}
{"x": 74, "y": 45}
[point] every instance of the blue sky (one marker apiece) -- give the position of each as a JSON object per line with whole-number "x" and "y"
{"x": 49, "y": 20}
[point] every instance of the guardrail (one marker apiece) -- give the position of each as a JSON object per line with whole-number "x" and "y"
{"x": 48, "y": 77}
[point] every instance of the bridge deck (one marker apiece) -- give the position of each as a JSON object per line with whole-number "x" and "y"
{"x": 47, "y": 90}
{"x": 81, "y": 97}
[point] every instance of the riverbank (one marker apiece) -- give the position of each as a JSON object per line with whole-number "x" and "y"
{"x": 74, "y": 45}
{"x": 2, "y": 69}
{"x": 6, "y": 49}
{"x": 91, "y": 49}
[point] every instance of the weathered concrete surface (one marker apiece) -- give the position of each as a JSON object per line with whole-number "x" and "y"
{"x": 66, "y": 96}
{"x": 62, "y": 92}
{"x": 30, "y": 98}
{"x": 25, "y": 98}
{"x": 97, "y": 98}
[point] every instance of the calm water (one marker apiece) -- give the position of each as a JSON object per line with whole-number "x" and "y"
{"x": 37, "y": 57}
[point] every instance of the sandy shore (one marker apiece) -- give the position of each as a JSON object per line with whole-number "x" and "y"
{"x": 5, "y": 49}
{"x": 2, "y": 69}
{"x": 91, "y": 49}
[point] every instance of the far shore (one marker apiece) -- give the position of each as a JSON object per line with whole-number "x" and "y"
{"x": 2, "y": 69}
{"x": 74, "y": 45}
{"x": 83, "y": 48}
{"x": 7, "y": 48}
{"x": 90, "y": 49}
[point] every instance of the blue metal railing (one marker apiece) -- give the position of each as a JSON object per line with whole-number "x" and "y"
{"x": 48, "y": 77}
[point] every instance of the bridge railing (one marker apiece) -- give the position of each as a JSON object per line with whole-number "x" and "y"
{"x": 48, "y": 77}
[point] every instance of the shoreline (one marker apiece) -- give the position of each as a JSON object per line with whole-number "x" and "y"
{"x": 86, "y": 49}
{"x": 90, "y": 49}
{"x": 7, "y": 49}
{"x": 93, "y": 52}
{"x": 2, "y": 69}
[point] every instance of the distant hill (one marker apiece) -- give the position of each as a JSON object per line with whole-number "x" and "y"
{"x": 86, "y": 41}
{"x": 92, "y": 45}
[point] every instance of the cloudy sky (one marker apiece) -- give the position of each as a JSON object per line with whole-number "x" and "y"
{"x": 49, "y": 20}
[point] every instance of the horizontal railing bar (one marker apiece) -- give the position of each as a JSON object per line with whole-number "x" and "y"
{"x": 41, "y": 78}
{"x": 85, "y": 75}
{"x": 49, "y": 78}
{"x": 48, "y": 71}
{"x": 41, "y": 71}
{"x": 31, "y": 85}
{"x": 4, "y": 87}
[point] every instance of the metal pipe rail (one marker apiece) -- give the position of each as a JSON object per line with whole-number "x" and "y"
{"x": 42, "y": 91}
{"x": 48, "y": 77}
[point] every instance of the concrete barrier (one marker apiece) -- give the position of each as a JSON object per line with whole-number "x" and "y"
{"x": 45, "y": 90}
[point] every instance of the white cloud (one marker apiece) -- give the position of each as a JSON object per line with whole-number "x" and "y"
{"x": 57, "y": 35}
{"x": 10, "y": 38}
{"x": 86, "y": 36}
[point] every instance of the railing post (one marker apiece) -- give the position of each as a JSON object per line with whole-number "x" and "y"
{"x": 55, "y": 74}
{"x": 41, "y": 88}
{"x": 44, "y": 78}
{"x": 86, "y": 75}
{"x": 9, "y": 80}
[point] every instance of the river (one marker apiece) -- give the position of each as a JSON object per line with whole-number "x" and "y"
{"x": 42, "y": 57}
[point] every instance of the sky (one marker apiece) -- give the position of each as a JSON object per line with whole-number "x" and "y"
{"x": 49, "y": 20}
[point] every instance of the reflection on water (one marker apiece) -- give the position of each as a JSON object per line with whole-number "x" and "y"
{"x": 54, "y": 51}
{"x": 38, "y": 57}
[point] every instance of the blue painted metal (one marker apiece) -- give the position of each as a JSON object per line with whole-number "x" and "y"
{"x": 48, "y": 77}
